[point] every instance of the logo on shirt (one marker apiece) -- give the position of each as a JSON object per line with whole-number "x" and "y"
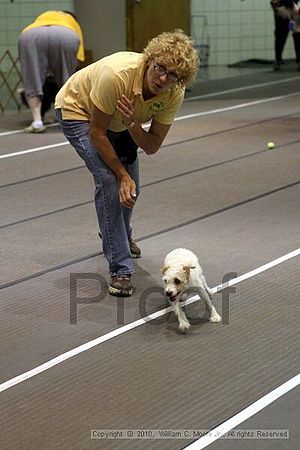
{"x": 157, "y": 106}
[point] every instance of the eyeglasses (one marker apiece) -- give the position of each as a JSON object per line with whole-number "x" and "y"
{"x": 160, "y": 70}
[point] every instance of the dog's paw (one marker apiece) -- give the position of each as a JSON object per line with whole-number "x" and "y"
{"x": 215, "y": 318}
{"x": 184, "y": 326}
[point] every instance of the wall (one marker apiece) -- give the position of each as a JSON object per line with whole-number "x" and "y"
{"x": 104, "y": 25}
{"x": 238, "y": 30}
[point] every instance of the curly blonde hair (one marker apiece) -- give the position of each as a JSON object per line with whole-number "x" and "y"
{"x": 175, "y": 50}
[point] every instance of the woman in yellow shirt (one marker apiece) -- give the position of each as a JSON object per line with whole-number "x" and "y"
{"x": 101, "y": 110}
{"x": 52, "y": 44}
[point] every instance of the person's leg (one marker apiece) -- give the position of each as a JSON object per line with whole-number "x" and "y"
{"x": 35, "y": 107}
{"x": 34, "y": 63}
{"x": 63, "y": 49}
{"x": 126, "y": 150}
{"x": 133, "y": 170}
{"x": 281, "y": 34}
{"x": 296, "y": 39}
{"x": 108, "y": 208}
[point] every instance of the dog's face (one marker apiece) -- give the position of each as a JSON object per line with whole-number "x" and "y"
{"x": 176, "y": 280}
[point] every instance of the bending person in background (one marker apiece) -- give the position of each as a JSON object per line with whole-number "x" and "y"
{"x": 281, "y": 33}
{"x": 101, "y": 110}
{"x": 289, "y": 10}
{"x": 52, "y": 44}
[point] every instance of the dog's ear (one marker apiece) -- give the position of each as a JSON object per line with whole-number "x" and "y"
{"x": 187, "y": 270}
{"x": 164, "y": 269}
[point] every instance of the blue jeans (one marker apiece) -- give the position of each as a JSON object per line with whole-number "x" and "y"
{"x": 113, "y": 219}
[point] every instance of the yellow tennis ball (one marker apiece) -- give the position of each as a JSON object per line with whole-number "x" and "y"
{"x": 271, "y": 145}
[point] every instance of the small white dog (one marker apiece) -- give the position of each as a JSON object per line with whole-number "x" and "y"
{"x": 181, "y": 271}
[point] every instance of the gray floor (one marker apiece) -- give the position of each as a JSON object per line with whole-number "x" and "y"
{"x": 214, "y": 188}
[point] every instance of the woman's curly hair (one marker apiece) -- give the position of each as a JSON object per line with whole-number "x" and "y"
{"x": 176, "y": 51}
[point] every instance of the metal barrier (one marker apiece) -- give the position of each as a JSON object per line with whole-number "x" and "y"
{"x": 10, "y": 80}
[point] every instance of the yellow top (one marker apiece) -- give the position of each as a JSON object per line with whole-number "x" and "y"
{"x": 62, "y": 19}
{"x": 103, "y": 83}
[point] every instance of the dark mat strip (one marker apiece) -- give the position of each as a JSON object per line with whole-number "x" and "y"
{"x": 158, "y": 233}
{"x": 184, "y": 141}
{"x": 152, "y": 183}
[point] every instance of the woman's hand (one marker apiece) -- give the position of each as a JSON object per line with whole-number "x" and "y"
{"x": 127, "y": 191}
{"x": 125, "y": 107}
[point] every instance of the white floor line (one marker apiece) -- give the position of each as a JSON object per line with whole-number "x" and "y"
{"x": 242, "y": 88}
{"x": 33, "y": 150}
{"x": 8, "y": 133}
{"x": 213, "y": 94}
{"x": 188, "y": 116}
{"x": 245, "y": 414}
{"x": 112, "y": 334}
{"x": 239, "y": 106}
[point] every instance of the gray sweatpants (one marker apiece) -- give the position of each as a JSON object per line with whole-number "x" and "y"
{"x": 43, "y": 50}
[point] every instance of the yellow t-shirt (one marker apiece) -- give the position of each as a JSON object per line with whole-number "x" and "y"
{"x": 103, "y": 83}
{"x": 62, "y": 19}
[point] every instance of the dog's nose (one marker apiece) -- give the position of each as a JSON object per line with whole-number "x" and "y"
{"x": 169, "y": 293}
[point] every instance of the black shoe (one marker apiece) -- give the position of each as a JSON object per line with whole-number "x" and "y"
{"x": 277, "y": 66}
{"x": 134, "y": 249}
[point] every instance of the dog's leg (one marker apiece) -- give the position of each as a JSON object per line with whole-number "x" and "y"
{"x": 207, "y": 288}
{"x": 184, "y": 324}
{"x": 206, "y": 296}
